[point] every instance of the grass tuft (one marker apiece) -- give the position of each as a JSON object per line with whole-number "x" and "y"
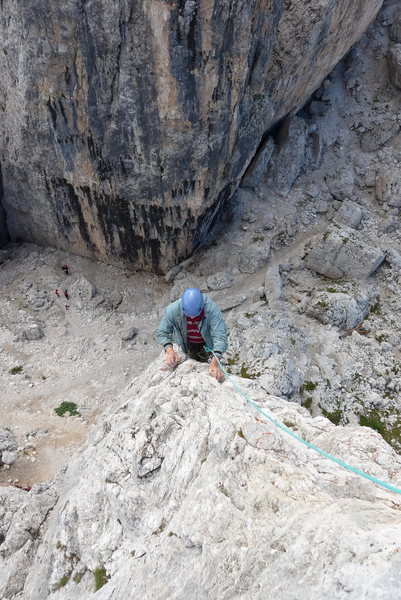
{"x": 63, "y": 581}
{"x": 100, "y": 578}
{"x": 308, "y": 386}
{"x": 334, "y": 417}
{"x": 65, "y": 407}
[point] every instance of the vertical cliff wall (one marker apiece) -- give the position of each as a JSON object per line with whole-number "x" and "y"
{"x": 126, "y": 124}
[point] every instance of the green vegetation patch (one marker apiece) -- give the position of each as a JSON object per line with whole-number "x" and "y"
{"x": 63, "y": 581}
{"x": 375, "y": 419}
{"x": 65, "y": 407}
{"x": 308, "y": 386}
{"x": 308, "y": 402}
{"x": 15, "y": 370}
{"x": 246, "y": 374}
{"x": 335, "y": 416}
{"x": 375, "y": 309}
{"x": 100, "y": 578}
{"x": 232, "y": 361}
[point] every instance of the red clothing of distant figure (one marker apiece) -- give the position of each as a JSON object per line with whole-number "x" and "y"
{"x": 193, "y": 334}
{"x": 65, "y": 269}
{"x": 57, "y": 293}
{"x": 66, "y": 294}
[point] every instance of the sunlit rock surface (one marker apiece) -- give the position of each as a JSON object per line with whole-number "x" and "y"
{"x": 185, "y": 491}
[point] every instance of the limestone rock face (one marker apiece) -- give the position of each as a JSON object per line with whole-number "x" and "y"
{"x": 127, "y": 124}
{"x": 21, "y": 518}
{"x": 182, "y": 493}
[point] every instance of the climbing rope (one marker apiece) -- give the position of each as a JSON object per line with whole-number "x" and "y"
{"x": 297, "y": 437}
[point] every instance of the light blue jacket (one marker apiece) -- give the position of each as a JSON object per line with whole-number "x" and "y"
{"x": 173, "y": 327}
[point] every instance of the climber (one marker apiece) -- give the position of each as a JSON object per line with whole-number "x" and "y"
{"x": 192, "y": 322}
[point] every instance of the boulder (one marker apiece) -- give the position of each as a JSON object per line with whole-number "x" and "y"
{"x": 8, "y": 458}
{"x": 128, "y": 333}
{"x": 388, "y": 186}
{"x": 84, "y": 288}
{"x": 219, "y": 281}
{"x": 344, "y": 253}
{"x": 349, "y": 213}
{"x": 32, "y": 332}
{"x": 338, "y": 309}
{"x": 341, "y": 184}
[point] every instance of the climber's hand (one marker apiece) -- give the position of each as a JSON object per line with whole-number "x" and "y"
{"x": 171, "y": 357}
{"x": 215, "y": 371}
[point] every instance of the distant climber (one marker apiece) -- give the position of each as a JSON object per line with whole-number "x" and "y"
{"x": 66, "y": 294}
{"x": 192, "y": 322}
{"x": 57, "y": 293}
{"x": 66, "y": 269}
{"x": 67, "y": 306}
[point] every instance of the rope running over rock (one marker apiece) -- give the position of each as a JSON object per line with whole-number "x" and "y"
{"x": 297, "y": 437}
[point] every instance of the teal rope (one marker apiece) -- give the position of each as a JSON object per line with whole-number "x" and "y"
{"x": 322, "y": 452}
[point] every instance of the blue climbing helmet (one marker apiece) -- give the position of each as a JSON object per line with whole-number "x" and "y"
{"x": 192, "y": 302}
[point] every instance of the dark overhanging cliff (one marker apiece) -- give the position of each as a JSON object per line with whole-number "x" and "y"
{"x": 127, "y": 125}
